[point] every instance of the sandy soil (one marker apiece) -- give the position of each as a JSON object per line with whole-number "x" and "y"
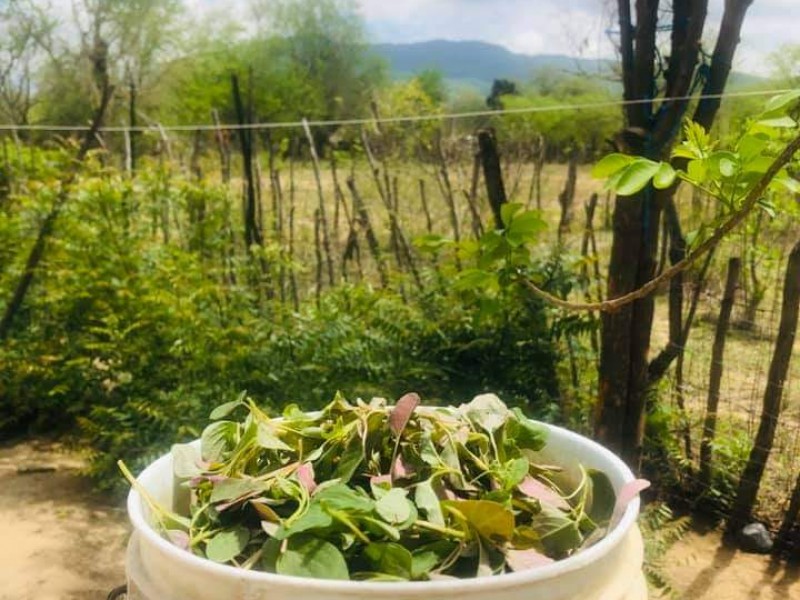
{"x": 58, "y": 540}
{"x": 703, "y": 569}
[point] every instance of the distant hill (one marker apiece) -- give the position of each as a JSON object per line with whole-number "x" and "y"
{"x": 477, "y": 64}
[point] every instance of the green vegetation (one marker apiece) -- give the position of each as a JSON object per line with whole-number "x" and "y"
{"x": 369, "y": 491}
{"x": 133, "y": 333}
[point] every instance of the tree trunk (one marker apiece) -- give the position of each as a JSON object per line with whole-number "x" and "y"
{"x": 624, "y": 369}
{"x": 771, "y": 410}
{"x": 715, "y": 375}
{"x": 492, "y": 174}
{"x": 625, "y": 335}
{"x": 789, "y": 519}
{"x": 252, "y": 233}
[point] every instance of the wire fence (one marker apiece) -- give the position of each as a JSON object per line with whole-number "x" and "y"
{"x": 441, "y": 196}
{"x": 155, "y": 127}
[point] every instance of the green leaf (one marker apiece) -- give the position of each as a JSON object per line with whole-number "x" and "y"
{"x": 428, "y": 501}
{"x": 475, "y": 279}
{"x": 431, "y": 242}
{"x": 697, "y": 170}
{"x": 601, "y": 499}
{"x": 767, "y": 206}
{"x": 349, "y": 462}
{"x": 227, "y": 545}
{"x": 390, "y": 558}
{"x": 427, "y": 557}
{"x": 664, "y": 177}
{"x": 427, "y": 451}
{"x": 610, "y": 164}
{"x": 524, "y": 227}
{"x": 185, "y": 458}
{"x": 636, "y": 176}
{"x": 223, "y": 410}
{"x": 486, "y": 411}
{"x": 394, "y": 507}
{"x": 307, "y": 556}
{"x": 267, "y": 439}
{"x": 231, "y": 489}
{"x": 315, "y": 517}
{"x": 781, "y": 101}
{"x": 557, "y": 532}
{"x": 684, "y": 152}
{"x": 270, "y": 552}
{"x": 508, "y": 211}
{"x": 490, "y": 519}
{"x": 218, "y": 439}
{"x": 779, "y": 123}
{"x": 751, "y": 146}
{"x": 341, "y": 497}
{"x": 514, "y": 471}
{"x": 723, "y": 164}
{"x": 788, "y": 183}
{"x": 526, "y": 433}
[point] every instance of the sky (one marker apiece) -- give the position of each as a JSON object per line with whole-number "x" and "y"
{"x": 571, "y": 27}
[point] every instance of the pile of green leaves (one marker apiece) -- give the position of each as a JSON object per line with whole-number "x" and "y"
{"x": 368, "y": 491}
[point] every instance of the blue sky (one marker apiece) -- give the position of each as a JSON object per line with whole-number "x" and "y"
{"x": 572, "y": 27}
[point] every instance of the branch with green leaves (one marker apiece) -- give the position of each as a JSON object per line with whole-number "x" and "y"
{"x": 738, "y": 178}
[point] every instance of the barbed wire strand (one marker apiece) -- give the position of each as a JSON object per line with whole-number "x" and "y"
{"x": 399, "y": 119}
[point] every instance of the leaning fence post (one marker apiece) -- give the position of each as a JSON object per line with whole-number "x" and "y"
{"x": 715, "y": 374}
{"x": 326, "y": 240}
{"x": 778, "y": 370}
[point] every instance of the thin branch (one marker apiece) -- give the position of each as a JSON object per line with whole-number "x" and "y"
{"x": 750, "y": 201}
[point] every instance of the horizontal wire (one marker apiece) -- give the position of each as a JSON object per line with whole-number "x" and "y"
{"x": 400, "y": 119}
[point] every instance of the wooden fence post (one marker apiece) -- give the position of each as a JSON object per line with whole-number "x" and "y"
{"x": 778, "y": 370}
{"x": 715, "y": 374}
{"x": 492, "y": 174}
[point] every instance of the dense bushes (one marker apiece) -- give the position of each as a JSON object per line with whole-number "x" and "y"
{"x": 131, "y": 334}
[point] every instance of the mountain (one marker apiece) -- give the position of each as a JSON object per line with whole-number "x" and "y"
{"x": 478, "y": 63}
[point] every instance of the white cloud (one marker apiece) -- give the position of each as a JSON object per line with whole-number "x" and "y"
{"x": 573, "y": 27}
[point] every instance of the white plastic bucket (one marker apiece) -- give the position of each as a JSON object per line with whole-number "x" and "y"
{"x": 609, "y": 570}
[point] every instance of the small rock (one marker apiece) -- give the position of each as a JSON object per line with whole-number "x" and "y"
{"x": 755, "y": 538}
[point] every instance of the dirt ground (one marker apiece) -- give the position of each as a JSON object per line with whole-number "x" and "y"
{"x": 60, "y": 541}
{"x": 701, "y": 568}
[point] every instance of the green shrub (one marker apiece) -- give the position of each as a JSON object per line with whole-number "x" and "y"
{"x": 127, "y": 339}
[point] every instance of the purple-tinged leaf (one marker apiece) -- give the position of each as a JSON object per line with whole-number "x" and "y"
{"x": 628, "y": 492}
{"x": 402, "y": 411}
{"x": 215, "y": 479}
{"x": 450, "y": 494}
{"x": 522, "y": 560}
{"x": 401, "y": 469}
{"x": 305, "y": 474}
{"x": 533, "y": 488}
{"x": 179, "y": 538}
